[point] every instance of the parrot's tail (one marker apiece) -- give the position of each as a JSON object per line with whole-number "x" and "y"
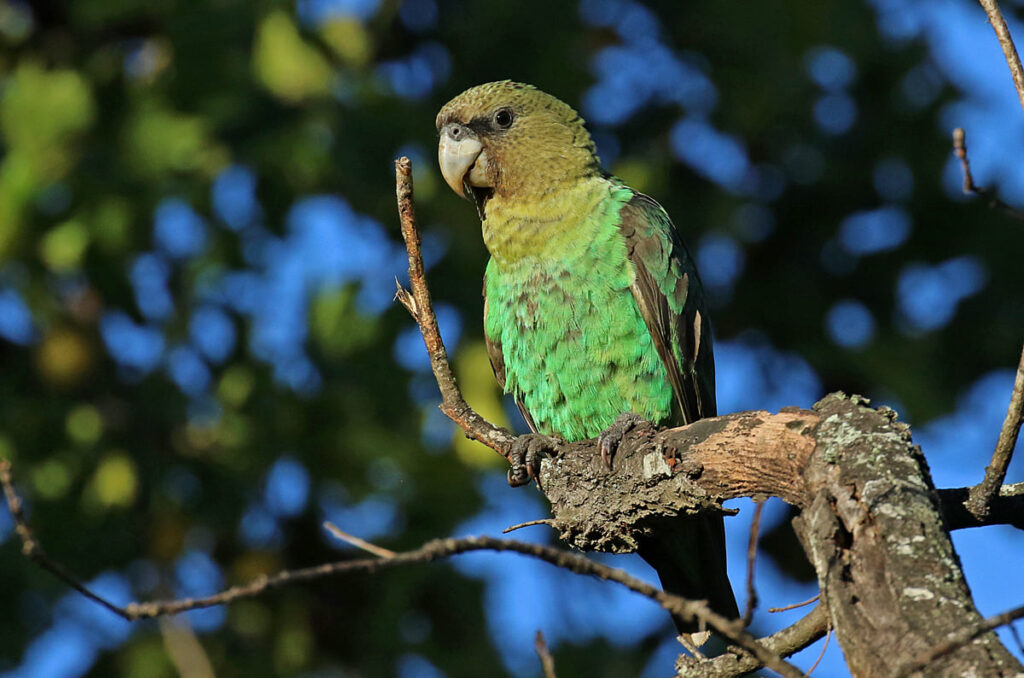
{"x": 689, "y": 557}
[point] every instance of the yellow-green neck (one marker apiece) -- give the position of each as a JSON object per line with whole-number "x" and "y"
{"x": 546, "y": 223}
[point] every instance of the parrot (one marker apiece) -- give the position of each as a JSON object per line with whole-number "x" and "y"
{"x": 594, "y": 314}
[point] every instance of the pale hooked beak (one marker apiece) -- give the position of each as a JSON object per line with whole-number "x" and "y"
{"x": 457, "y": 152}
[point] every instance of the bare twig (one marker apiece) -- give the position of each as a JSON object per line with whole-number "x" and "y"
{"x": 547, "y": 662}
{"x": 529, "y": 523}
{"x": 983, "y": 493}
{"x": 960, "y": 149}
{"x": 958, "y": 640}
{"x": 31, "y": 548}
{"x": 417, "y": 302}
{"x": 736, "y": 662}
{"x": 755, "y": 526}
{"x": 794, "y": 606}
{"x": 431, "y": 551}
{"x": 995, "y": 17}
{"x": 344, "y": 536}
{"x": 828, "y": 637}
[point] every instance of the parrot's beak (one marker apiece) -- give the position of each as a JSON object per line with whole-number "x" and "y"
{"x": 457, "y": 156}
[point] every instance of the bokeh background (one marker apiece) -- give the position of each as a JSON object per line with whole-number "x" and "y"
{"x": 201, "y": 359}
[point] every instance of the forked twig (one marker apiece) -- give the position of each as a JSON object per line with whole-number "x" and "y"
{"x": 417, "y": 302}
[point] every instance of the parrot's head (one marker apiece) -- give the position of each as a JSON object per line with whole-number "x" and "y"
{"x": 511, "y": 140}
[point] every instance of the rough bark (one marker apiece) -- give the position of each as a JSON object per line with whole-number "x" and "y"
{"x": 874, "y": 532}
{"x": 871, "y": 521}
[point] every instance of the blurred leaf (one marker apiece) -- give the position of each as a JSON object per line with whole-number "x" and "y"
{"x": 159, "y": 141}
{"x": 64, "y": 357}
{"x": 288, "y": 67}
{"x": 84, "y": 424}
{"x": 114, "y": 483}
{"x": 51, "y": 479}
{"x": 476, "y": 378}
{"x": 63, "y": 247}
{"x": 338, "y": 326}
{"x": 350, "y": 40}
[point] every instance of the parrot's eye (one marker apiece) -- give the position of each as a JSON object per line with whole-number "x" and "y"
{"x": 503, "y": 118}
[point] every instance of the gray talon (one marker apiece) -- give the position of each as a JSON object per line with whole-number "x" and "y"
{"x": 528, "y": 451}
{"x": 611, "y": 437}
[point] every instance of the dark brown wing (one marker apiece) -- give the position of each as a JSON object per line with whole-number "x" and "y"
{"x": 671, "y": 299}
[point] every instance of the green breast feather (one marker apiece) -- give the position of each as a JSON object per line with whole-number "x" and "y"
{"x": 575, "y": 347}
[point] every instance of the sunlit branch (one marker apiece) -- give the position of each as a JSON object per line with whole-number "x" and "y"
{"x": 983, "y": 494}
{"x": 995, "y": 17}
{"x": 417, "y": 302}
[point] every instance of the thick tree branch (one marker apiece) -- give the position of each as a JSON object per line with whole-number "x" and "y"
{"x": 870, "y": 522}
{"x": 983, "y": 494}
{"x": 995, "y": 17}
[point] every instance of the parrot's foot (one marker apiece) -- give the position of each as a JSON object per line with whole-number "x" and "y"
{"x": 528, "y": 451}
{"x": 611, "y": 437}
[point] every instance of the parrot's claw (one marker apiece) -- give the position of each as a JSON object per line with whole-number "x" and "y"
{"x": 528, "y": 451}
{"x": 611, "y": 437}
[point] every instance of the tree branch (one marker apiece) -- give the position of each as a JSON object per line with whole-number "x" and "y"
{"x": 959, "y": 639}
{"x": 995, "y": 17}
{"x": 960, "y": 149}
{"x": 983, "y": 493}
{"x": 31, "y": 548}
{"x": 547, "y": 662}
{"x": 735, "y": 662}
{"x": 431, "y": 551}
{"x": 1006, "y": 508}
{"x": 417, "y": 302}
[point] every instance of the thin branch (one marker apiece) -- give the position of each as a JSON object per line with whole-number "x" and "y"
{"x": 755, "y": 526}
{"x": 960, "y": 149}
{"x": 958, "y": 640}
{"x": 995, "y": 17}
{"x": 433, "y": 550}
{"x": 547, "y": 662}
{"x": 824, "y": 648}
{"x": 794, "y": 606}
{"x": 735, "y": 662}
{"x": 417, "y": 302}
{"x": 529, "y": 523}
{"x": 983, "y": 493}
{"x": 31, "y": 548}
{"x": 344, "y": 536}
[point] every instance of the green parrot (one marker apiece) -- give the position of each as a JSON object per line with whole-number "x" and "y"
{"x": 592, "y": 305}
